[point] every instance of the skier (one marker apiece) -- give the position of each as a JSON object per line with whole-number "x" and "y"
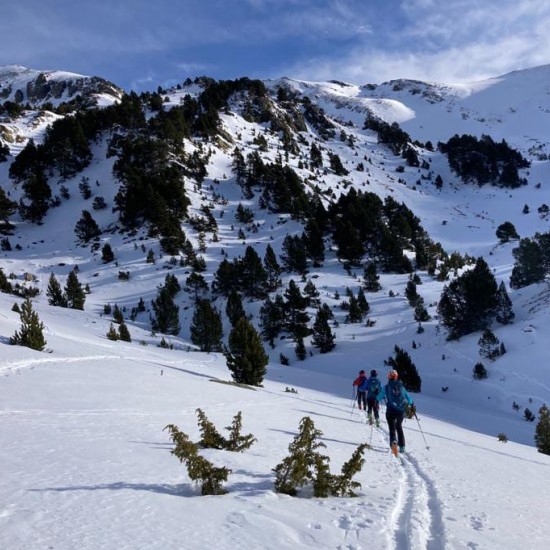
{"x": 361, "y": 383}
{"x": 395, "y": 395}
{"x": 374, "y": 387}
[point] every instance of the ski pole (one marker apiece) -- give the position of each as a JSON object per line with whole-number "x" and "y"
{"x": 352, "y": 404}
{"x": 420, "y": 428}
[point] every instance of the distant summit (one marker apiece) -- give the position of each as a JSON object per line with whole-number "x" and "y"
{"x": 36, "y": 88}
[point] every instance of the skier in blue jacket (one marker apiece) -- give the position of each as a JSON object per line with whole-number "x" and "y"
{"x": 395, "y": 395}
{"x": 374, "y": 388}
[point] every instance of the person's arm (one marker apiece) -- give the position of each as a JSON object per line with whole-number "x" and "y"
{"x": 381, "y": 394}
{"x": 407, "y": 397}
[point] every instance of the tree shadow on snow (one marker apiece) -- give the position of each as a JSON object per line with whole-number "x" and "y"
{"x": 180, "y": 490}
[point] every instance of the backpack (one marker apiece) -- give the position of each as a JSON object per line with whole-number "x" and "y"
{"x": 363, "y": 385}
{"x": 374, "y": 387}
{"x": 395, "y": 397}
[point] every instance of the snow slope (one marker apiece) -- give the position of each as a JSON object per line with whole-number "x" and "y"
{"x": 85, "y": 460}
{"x": 86, "y": 463}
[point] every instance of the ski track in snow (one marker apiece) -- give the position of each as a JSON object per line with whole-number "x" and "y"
{"x": 416, "y": 521}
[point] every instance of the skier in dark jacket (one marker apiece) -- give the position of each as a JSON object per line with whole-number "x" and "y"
{"x": 395, "y": 395}
{"x": 374, "y": 387}
{"x": 361, "y": 383}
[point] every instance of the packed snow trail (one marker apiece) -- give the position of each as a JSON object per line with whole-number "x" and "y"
{"x": 416, "y": 520}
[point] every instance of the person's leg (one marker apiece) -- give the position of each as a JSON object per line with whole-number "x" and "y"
{"x": 376, "y": 408}
{"x": 370, "y": 405}
{"x": 359, "y": 397}
{"x": 390, "y": 417}
{"x": 399, "y": 429}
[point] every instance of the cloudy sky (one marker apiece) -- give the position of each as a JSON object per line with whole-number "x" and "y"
{"x": 140, "y": 44}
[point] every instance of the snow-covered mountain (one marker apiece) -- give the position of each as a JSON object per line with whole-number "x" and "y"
{"x": 86, "y": 463}
{"x": 24, "y": 85}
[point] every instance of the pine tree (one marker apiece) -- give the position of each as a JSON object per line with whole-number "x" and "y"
{"x": 253, "y": 275}
{"x": 542, "y": 431}
{"x": 300, "y": 349}
{"x": 7, "y": 206}
{"x": 294, "y": 256}
{"x": 107, "y": 253}
{"x": 489, "y": 345}
{"x": 480, "y": 372}
{"x": 529, "y": 265}
{"x": 323, "y": 338}
{"x": 272, "y": 269}
{"x": 355, "y": 314}
{"x": 112, "y": 333}
{"x": 469, "y": 302}
{"x": 5, "y": 285}
{"x": 30, "y": 334}
{"x": 312, "y": 294}
{"x": 411, "y": 293}
{"x": 420, "y": 312}
{"x": 166, "y": 318}
{"x": 371, "y": 278}
{"x": 295, "y": 311}
{"x": 118, "y": 316}
{"x": 505, "y": 315}
{"x": 506, "y": 231}
{"x": 272, "y": 316}
{"x": 313, "y": 240}
{"x": 124, "y": 333}
{"x": 86, "y": 227}
{"x": 206, "y": 327}
{"x": 55, "y": 294}
{"x": 408, "y": 374}
{"x": 39, "y": 193}
{"x": 196, "y": 286}
{"x": 234, "y": 307}
{"x": 245, "y": 354}
{"x": 362, "y": 301}
{"x": 74, "y": 292}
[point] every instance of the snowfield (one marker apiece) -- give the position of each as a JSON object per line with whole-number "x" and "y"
{"x": 86, "y": 463}
{"x": 84, "y": 456}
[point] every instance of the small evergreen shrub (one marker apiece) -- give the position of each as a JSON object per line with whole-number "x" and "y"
{"x": 112, "y": 334}
{"x": 480, "y": 372}
{"x": 528, "y": 415}
{"x": 199, "y": 469}
{"x": 503, "y": 437}
{"x": 212, "y": 439}
{"x": 307, "y": 466}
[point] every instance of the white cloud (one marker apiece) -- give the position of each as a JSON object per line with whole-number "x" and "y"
{"x": 457, "y": 41}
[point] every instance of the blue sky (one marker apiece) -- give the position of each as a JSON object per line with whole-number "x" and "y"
{"x": 141, "y": 44}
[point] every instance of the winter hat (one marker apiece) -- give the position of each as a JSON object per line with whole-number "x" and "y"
{"x": 392, "y": 375}
{"x": 361, "y": 372}
{"x": 373, "y": 373}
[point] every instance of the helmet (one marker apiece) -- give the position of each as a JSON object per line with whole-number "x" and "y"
{"x": 373, "y": 372}
{"x": 392, "y": 375}
{"x": 361, "y": 372}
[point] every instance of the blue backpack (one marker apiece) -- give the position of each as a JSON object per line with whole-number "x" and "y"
{"x": 395, "y": 397}
{"x": 374, "y": 387}
{"x": 364, "y": 384}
